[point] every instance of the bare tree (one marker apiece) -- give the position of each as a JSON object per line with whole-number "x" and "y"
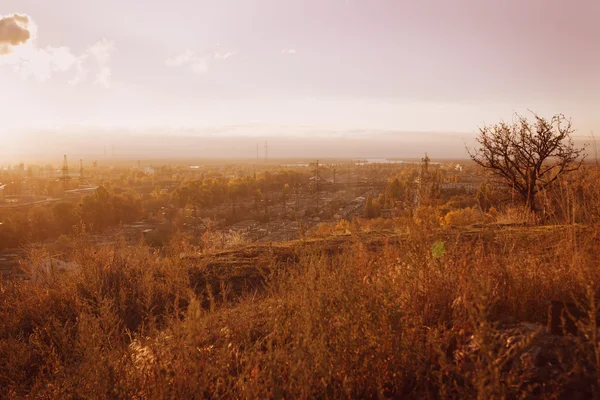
{"x": 528, "y": 156}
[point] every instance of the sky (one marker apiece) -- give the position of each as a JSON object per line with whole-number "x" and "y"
{"x": 248, "y": 67}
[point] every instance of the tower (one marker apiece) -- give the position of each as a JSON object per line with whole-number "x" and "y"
{"x": 65, "y": 168}
{"x": 334, "y": 174}
{"x": 425, "y": 166}
{"x": 81, "y": 170}
{"x": 425, "y": 182}
{"x": 266, "y": 153}
{"x": 317, "y": 178}
{"x": 256, "y": 164}
{"x": 65, "y": 173}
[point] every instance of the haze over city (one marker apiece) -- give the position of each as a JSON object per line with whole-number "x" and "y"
{"x": 392, "y": 78}
{"x": 299, "y": 199}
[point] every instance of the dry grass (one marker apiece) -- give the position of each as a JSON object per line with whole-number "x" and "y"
{"x": 366, "y": 315}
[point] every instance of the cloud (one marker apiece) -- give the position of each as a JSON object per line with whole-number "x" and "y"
{"x": 200, "y": 66}
{"x": 103, "y": 77}
{"x": 181, "y": 59}
{"x": 288, "y": 51}
{"x": 198, "y": 63}
{"x": 223, "y": 56}
{"x": 98, "y": 55}
{"x": 19, "y": 51}
{"x": 14, "y": 31}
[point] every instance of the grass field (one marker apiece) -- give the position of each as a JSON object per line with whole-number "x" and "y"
{"x": 424, "y": 313}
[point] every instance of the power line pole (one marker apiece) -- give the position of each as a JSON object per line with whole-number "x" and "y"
{"x": 256, "y": 164}
{"x": 349, "y": 163}
{"x": 354, "y": 172}
{"x": 65, "y": 173}
{"x": 317, "y": 183}
{"x": 334, "y": 172}
{"x": 297, "y": 192}
{"x": 81, "y": 170}
{"x": 266, "y": 153}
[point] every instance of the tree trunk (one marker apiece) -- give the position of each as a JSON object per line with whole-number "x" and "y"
{"x": 531, "y": 192}
{"x": 530, "y": 201}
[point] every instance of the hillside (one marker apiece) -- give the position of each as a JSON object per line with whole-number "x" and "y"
{"x": 419, "y": 313}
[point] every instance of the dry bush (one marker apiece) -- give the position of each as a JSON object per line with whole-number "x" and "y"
{"x": 214, "y": 240}
{"x": 516, "y": 216}
{"x": 359, "y": 225}
{"x": 375, "y": 319}
{"x": 465, "y": 217}
{"x": 426, "y": 216}
{"x": 325, "y": 229}
{"x": 381, "y": 224}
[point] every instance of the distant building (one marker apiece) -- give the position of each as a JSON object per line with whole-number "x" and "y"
{"x": 467, "y": 186}
{"x": 313, "y": 180}
{"x": 2, "y": 198}
{"x": 81, "y": 191}
{"x": 20, "y": 169}
{"x": 149, "y": 170}
{"x": 34, "y": 170}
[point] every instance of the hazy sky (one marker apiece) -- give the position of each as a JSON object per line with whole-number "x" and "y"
{"x": 331, "y": 64}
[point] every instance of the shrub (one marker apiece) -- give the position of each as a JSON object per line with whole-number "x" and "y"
{"x": 370, "y": 316}
{"x": 464, "y": 217}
